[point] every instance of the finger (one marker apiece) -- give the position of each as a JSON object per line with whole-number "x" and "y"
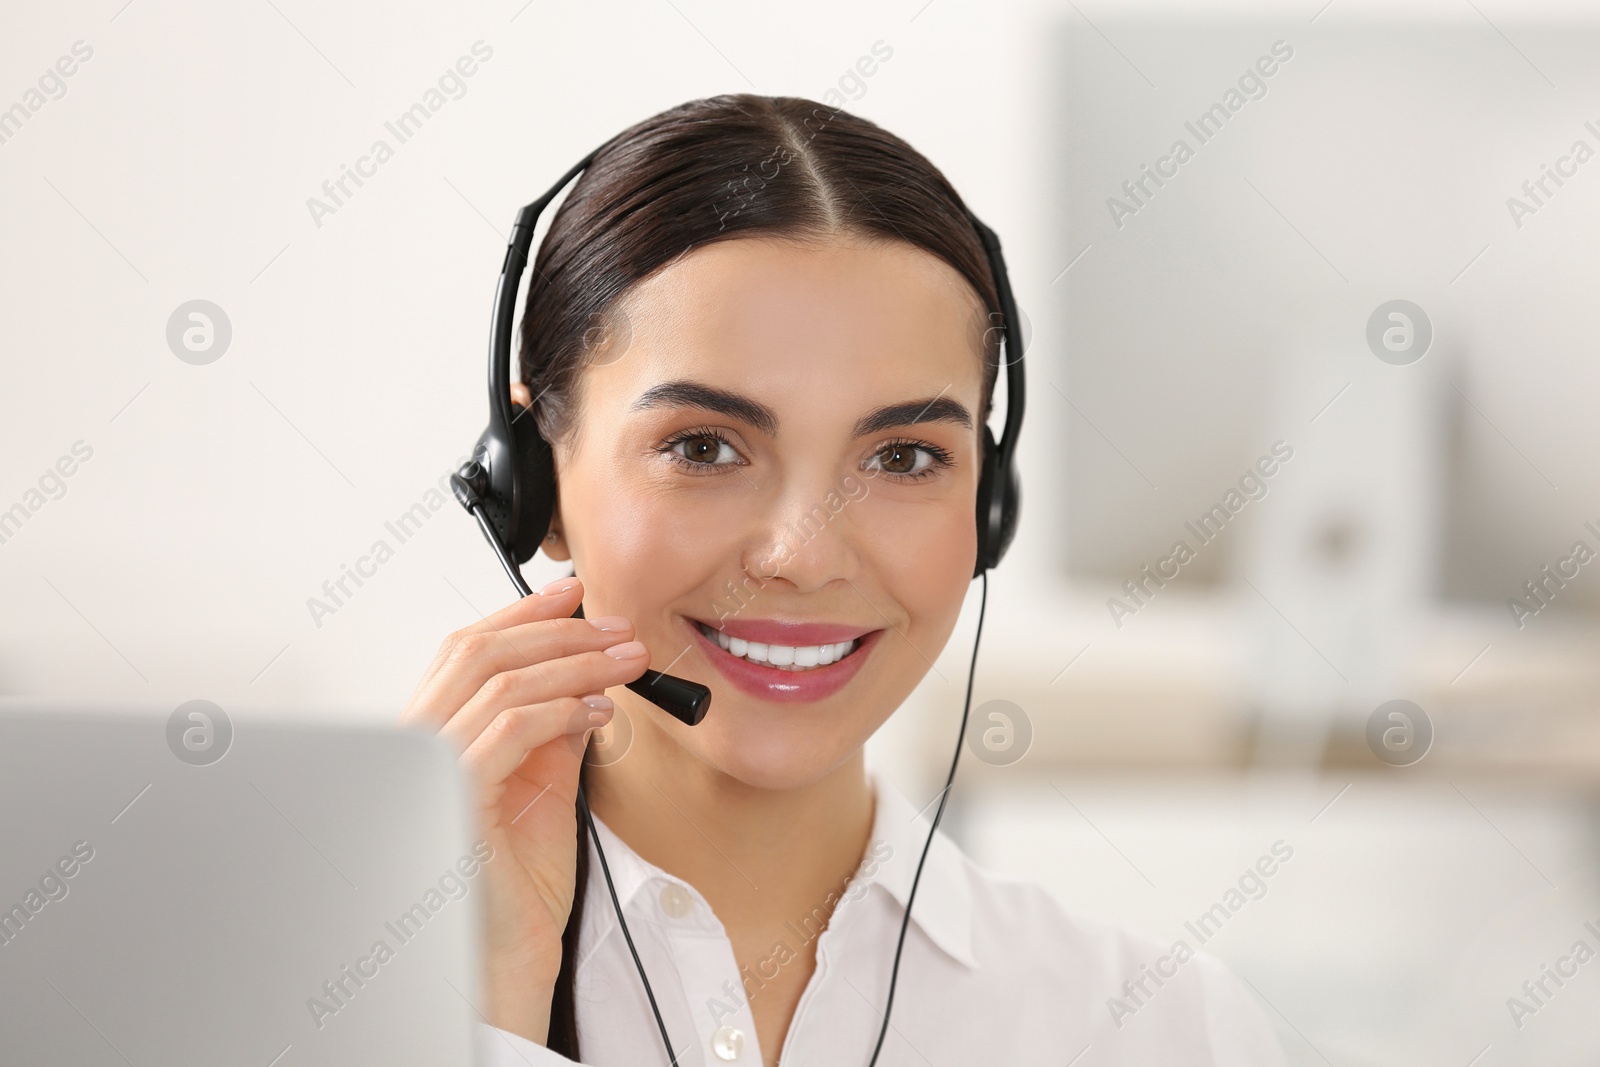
{"x": 569, "y": 676}
{"x": 563, "y": 598}
{"x": 515, "y": 732}
{"x": 478, "y": 658}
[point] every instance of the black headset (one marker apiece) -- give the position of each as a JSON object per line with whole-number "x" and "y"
{"x": 509, "y": 487}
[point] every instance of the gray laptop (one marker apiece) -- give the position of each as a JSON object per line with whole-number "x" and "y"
{"x": 178, "y": 888}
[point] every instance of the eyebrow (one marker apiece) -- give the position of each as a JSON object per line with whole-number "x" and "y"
{"x": 686, "y": 393}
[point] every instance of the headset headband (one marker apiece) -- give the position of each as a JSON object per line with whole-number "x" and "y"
{"x": 500, "y": 467}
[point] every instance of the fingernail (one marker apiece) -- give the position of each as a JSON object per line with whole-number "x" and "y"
{"x": 560, "y": 585}
{"x": 608, "y": 623}
{"x": 626, "y": 650}
{"x": 603, "y": 708}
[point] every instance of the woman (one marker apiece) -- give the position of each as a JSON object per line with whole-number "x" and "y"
{"x": 756, "y": 340}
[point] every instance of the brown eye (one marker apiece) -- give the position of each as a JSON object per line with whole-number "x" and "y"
{"x": 911, "y": 460}
{"x": 899, "y": 459}
{"x": 701, "y": 449}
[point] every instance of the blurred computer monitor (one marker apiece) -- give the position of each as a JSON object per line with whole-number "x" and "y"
{"x": 185, "y": 889}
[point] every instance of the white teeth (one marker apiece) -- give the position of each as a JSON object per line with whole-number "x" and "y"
{"x": 786, "y": 657}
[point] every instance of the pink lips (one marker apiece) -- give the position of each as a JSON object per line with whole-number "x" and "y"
{"x": 771, "y": 683}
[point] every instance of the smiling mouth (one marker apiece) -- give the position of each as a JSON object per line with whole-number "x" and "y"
{"x": 794, "y": 658}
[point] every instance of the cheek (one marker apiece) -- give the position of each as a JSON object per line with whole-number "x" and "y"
{"x": 644, "y": 547}
{"x": 924, "y": 558}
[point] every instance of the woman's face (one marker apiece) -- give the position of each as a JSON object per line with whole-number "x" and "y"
{"x": 732, "y": 466}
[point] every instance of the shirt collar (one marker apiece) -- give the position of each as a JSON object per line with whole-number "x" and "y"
{"x": 943, "y": 906}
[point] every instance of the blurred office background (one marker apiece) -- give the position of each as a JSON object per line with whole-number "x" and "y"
{"x": 1187, "y": 336}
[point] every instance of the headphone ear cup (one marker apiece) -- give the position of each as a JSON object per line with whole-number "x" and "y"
{"x": 999, "y": 505}
{"x": 533, "y": 485}
{"x": 987, "y": 529}
{"x": 1008, "y": 512}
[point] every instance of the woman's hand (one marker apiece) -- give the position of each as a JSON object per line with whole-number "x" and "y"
{"x": 509, "y": 693}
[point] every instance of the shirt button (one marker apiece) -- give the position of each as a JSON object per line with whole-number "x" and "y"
{"x": 727, "y": 1043}
{"x": 675, "y": 901}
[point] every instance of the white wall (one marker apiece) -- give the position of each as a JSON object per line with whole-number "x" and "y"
{"x": 178, "y": 165}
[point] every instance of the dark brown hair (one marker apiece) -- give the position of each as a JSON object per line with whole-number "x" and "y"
{"x": 705, "y": 171}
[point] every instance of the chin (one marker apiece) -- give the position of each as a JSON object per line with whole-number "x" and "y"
{"x": 771, "y": 757}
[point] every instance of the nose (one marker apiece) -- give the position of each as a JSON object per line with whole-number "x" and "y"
{"x": 811, "y": 538}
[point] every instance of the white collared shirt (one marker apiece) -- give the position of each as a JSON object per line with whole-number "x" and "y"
{"x": 994, "y": 971}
